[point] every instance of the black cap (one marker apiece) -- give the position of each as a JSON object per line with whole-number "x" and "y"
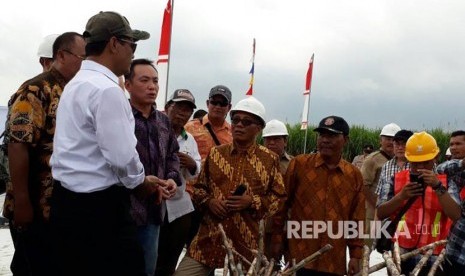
{"x": 183, "y": 95}
{"x": 402, "y": 135}
{"x": 334, "y": 124}
{"x": 221, "y": 90}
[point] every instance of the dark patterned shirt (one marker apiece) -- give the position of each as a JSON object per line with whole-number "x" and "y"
{"x": 31, "y": 120}
{"x": 224, "y": 169}
{"x": 157, "y": 146}
{"x": 455, "y": 248}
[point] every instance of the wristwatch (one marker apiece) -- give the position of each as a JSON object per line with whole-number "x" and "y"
{"x": 439, "y": 189}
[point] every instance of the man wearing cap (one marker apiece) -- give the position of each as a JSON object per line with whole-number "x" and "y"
{"x": 358, "y": 160}
{"x": 45, "y": 51}
{"x": 425, "y": 221}
{"x": 323, "y": 187}
{"x": 396, "y": 164}
{"x": 95, "y": 163}
{"x": 371, "y": 170}
{"x": 29, "y": 135}
{"x": 242, "y": 163}
{"x": 173, "y": 233}
{"x": 210, "y": 131}
{"x": 157, "y": 147}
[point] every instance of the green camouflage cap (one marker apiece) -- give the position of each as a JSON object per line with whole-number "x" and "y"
{"x": 104, "y": 25}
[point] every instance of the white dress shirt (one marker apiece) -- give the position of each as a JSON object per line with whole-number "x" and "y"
{"x": 94, "y": 144}
{"x": 181, "y": 203}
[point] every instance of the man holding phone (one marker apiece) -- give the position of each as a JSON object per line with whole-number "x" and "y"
{"x": 425, "y": 221}
{"x": 239, "y": 184}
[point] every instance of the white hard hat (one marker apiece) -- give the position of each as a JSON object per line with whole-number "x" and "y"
{"x": 46, "y": 46}
{"x": 389, "y": 130}
{"x": 448, "y": 151}
{"x": 252, "y": 106}
{"x": 275, "y": 128}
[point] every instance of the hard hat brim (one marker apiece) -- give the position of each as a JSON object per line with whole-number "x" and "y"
{"x": 421, "y": 158}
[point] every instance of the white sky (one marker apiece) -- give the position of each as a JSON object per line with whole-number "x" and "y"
{"x": 376, "y": 62}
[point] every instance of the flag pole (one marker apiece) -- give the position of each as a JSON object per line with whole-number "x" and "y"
{"x": 169, "y": 55}
{"x": 308, "y": 87}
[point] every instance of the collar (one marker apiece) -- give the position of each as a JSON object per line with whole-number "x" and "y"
{"x": 58, "y": 77}
{"x": 225, "y": 125}
{"x": 138, "y": 113}
{"x": 249, "y": 152}
{"x": 183, "y": 134}
{"x": 91, "y": 65}
{"x": 320, "y": 162}
{"x": 286, "y": 156}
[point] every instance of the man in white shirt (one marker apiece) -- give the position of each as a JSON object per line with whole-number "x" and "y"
{"x": 94, "y": 160}
{"x": 174, "y": 231}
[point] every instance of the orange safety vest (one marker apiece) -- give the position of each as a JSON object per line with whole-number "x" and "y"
{"x": 424, "y": 221}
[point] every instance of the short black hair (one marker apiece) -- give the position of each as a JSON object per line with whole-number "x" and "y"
{"x": 458, "y": 133}
{"x": 64, "y": 41}
{"x": 199, "y": 114}
{"x": 140, "y": 61}
{"x": 95, "y": 48}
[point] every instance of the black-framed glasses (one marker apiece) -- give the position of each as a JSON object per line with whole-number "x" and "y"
{"x": 131, "y": 43}
{"x": 245, "y": 122}
{"x": 73, "y": 54}
{"x": 218, "y": 103}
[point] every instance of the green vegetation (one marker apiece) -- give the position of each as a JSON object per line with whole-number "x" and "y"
{"x": 359, "y": 136}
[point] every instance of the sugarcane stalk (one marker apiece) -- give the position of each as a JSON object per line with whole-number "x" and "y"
{"x": 244, "y": 259}
{"x": 232, "y": 265}
{"x": 365, "y": 260}
{"x": 261, "y": 244}
{"x": 293, "y": 264}
{"x": 437, "y": 263}
{"x": 391, "y": 266}
{"x": 308, "y": 259}
{"x": 421, "y": 263}
{"x": 252, "y": 267}
{"x": 396, "y": 256}
{"x": 405, "y": 256}
{"x": 269, "y": 268}
{"x": 239, "y": 268}
{"x": 225, "y": 268}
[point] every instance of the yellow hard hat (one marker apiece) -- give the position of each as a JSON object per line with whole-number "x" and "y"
{"x": 421, "y": 147}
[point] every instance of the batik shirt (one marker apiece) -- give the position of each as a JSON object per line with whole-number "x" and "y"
{"x": 455, "y": 247}
{"x": 31, "y": 120}
{"x": 224, "y": 169}
{"x": 332, "y": 196}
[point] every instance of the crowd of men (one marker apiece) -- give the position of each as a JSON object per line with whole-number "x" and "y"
{"x": 103, "y": 185}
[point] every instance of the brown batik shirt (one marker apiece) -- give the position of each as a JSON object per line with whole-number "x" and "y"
{"x": 31, "y": 120}
{"x": 225, "y": 168}
{"x": 317, "y": 193}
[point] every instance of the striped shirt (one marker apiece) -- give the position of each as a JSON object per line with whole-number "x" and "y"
{"x": 386, "y": 177}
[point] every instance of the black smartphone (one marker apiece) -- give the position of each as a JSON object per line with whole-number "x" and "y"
{"x": 416, "y": 178}
{"x": 240, "y": 190}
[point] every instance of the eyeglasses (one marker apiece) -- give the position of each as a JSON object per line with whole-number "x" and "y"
{"x": 245, "y": 122}
{"x": 73, "y": 54}
{"x": 218, "y": 103}
{"x": 131, "y": 43}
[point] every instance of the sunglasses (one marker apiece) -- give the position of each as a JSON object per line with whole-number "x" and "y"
{"x": 73, "y": 54}
{"x": 218, "y": 103}
{"x": 245, "y": 122}
{"x": 131, "y": 43}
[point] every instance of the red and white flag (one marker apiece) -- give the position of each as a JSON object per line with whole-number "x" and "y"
{"x": 164, "y": 56}
{"x": 308, "y": 87}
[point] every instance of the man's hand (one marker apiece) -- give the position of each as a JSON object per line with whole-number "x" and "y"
{"x": 218, "y": 208}
{"x": 238, "y": 203}
{"x": 429, "y": 177}
{"x": 23, "y": 213}
{"x": 410, "y": 190}
{"x": 187, "y": 162}
{"x": 147, "y": 188}
{"x": 354, "y": 266}
{"x": 170, "y": 187}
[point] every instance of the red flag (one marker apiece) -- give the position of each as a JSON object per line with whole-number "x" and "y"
{"x": 308, "y": 81}
{"x": 308, "y": 87}
{"x": 164, "y": 51}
